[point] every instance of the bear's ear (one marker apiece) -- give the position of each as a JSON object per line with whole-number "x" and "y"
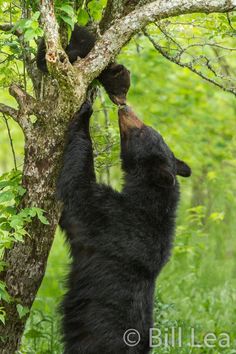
{"x": 164, "y": 177}
{"x": 182, "y": 169}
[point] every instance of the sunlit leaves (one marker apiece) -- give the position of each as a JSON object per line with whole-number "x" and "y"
{"x": 83, "y": 17}
{"x": 217, "y": 217}
{"x": 22, "y": 310}
{"x": 29, "y": 27}
{"x": 95, "y": 9}
{"x": 65, "y": 13}
{"x": 13, "y": 221}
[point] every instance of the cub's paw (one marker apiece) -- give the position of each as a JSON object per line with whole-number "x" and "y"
{"x": 116, "y": 81}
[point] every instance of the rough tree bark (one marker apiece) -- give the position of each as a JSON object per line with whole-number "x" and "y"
{"x": 58, "y": 96}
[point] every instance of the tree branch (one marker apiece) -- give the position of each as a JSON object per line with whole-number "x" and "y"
{"x": 27, "y": 106}
{"x": 50, "y": 25}
{"x": 55, "y": 54}
{"x": 27, "y": 103}
{"x": 18, "y": 117}
{"x": 9, "y": 111}
{"x": 58, "y": 63}
{"x": 123, "y": 29}
{"x": 7, "y": 27}
{"x": 116, "y": 9}
{"x": 189, "y": 66}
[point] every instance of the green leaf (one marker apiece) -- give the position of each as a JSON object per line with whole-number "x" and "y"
{"x": 16, "y": 221}
{"x": 36, "y": 16}
{"x": 30, "y": 34}
{"x": 21, "y": 191}
{"x": 95, "y": 9}
{"x": 18, "y": 237}
{"x": 39, "y": 32}
{"x": 3, "y": 184}
{"x": 3, "y": 292}
{"x": 217, "y": 216}
{"x": 67, "y": 20}
{"x": 34, "y": 333}
{"x": 20, "y": 25}
{"x": 22, "y": 310}
{"x": 82, "y": 17}
{"x": 31, "y": 212}
{"x": 34, "y": 25}
{"x": 2, "y": 318}
{"x": 2, "y": 315}
{"x": 41, "y": 217}
{"x": 67, "y": 9}
{"x": 6, "y": 196}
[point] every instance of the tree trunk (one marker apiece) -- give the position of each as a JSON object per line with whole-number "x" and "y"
{"x": 27, "y": 261}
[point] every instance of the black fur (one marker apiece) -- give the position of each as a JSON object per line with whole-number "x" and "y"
{"x": 119, "y": 241}
{"x": 115, "y": 78}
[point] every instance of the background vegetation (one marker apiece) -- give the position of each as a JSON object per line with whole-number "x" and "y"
{"x": 197, "y": 119}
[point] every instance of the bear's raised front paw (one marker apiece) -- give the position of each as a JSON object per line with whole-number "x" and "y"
{"x": 85, "y": 111}
{"x": 81, "y": 117}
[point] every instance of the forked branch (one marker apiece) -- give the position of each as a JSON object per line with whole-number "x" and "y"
{"x": 27, "y": 106}
{"x": 123, "y": 29}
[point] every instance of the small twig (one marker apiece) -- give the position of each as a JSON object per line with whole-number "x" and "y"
{"x": 10, "y": 139}
{"x": 230, "y": 22}
{"x": 166, "y": 34}
{"x": 104, "y": 109}
{"x": 183, "y": 50}
{"x": 222, "y": 61}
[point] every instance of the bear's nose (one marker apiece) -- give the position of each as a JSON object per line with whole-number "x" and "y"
{"x": 128, "y": 119}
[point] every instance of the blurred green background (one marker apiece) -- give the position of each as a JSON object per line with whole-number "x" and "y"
{"x": 197, "y": 288}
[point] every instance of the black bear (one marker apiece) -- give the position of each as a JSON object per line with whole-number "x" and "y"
{"x": 115, "y": 78}
{"x": 119, "y": 241}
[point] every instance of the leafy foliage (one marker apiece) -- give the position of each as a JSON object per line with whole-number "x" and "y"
{"x": 65, "y": 13}
{"x": 13, "y": 222}
{"x": 29, "y": 27}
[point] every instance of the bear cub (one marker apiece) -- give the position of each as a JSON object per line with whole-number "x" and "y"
{"x": 119, "y": 242}
{"x": 115, "y": 78}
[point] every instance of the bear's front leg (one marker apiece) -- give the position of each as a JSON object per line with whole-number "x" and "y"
{"x": 77, "y": 172}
